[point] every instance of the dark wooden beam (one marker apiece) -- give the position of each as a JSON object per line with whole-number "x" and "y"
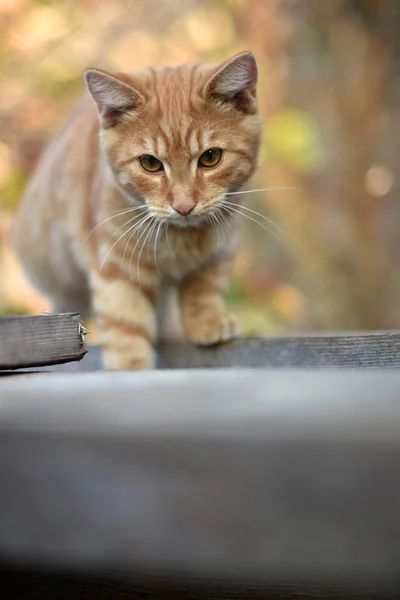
{"x": 274, "y": 479}
{"x": 358, "y": 350}
{"x": 36, "y": 340}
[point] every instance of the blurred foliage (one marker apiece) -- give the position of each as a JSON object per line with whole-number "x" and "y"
{"x": 12, "y": 189}
{"x": 292, "y": 136}
{"x": 327, "y": 92}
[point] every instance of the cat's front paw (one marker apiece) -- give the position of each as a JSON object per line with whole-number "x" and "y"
{"x": 212, "y": 327}
{"x": 135, "y": 358}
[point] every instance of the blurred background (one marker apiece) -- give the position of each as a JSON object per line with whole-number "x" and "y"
{"x": 329, "y": 94}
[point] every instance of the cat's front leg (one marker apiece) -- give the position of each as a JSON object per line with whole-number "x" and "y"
{"x": 205, "y": 317}
{"x": 125, "y": 314}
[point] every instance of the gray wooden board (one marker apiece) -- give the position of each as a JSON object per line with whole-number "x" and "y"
{"x": 37, "y": 340}
{"x": 243, "y": 475}
{"x": 26, "y": 584}
{"x": 358, "y": 350}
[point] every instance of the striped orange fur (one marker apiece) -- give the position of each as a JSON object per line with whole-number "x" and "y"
{"x": 125, "y": 213}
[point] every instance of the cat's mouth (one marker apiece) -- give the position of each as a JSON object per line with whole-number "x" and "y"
{"x": 199, "y": 217}
{"x": 191, "y": 220}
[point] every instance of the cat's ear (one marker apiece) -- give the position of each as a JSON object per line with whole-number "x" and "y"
{"x": 113, "y": 97}
{"x": 235, "y": 83}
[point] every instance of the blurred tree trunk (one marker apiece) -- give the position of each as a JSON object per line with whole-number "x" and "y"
{"x": 341, "y": 55}
{"x": 359, "y": 97}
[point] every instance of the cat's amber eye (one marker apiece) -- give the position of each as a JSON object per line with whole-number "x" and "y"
{"x": 210, "y": 158}
{"x": 150, "y": 163}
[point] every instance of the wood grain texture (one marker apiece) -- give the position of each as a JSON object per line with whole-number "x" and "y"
{"x": 103, "y": 585}
{"x": 36, "y": 340}
{"x": 364, "y": 350}
{"x": 347, "y": 351}
{"x": 275, "y": 479}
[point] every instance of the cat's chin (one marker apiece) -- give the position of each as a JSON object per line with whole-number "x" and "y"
{"x": 189, "y": 221}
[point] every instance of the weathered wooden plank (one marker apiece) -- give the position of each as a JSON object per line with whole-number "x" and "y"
{"x": 361, "y": 350}
{"x": 364, "y": 350}
{"x": 35, "y": 340}
{"x": 276, "y": 478}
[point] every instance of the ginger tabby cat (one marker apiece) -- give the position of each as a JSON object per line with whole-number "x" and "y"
{"x": 129, "y": 204}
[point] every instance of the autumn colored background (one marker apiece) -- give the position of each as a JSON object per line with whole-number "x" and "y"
{"x": 329, "y": 93}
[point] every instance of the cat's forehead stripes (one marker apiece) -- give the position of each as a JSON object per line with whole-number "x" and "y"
{"x": 174, "y": 123}
{"x": 174, "y": 102}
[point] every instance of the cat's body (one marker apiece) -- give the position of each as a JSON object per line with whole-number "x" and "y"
{"x": 173, "y": 142}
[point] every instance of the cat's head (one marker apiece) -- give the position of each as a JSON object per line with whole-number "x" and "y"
{"x": 179, "y": 139}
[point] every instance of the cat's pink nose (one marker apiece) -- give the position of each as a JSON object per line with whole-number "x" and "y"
{"x": 184, "y": 208}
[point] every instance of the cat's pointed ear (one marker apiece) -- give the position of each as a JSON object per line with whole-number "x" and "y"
{"x": 113, "y": 97}
{"x": 235, "y": 83}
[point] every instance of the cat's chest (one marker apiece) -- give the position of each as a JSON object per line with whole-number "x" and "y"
{"x": 181, "y": 252}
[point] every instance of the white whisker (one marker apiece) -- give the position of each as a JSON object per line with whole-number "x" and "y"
{"x": 216, "y": 228}
{"x": 135, "y": 228}
{"x": 115, "y": 243}
{"x": 271, "y": 231}
{"x": 114, "y": 233}
{"x": 150, "y": 232}
{"x": 167, "y": 238}
{"x": 220, "y": 219}
{"x": 210, "y": 222}
{"x": 278, "y": 189}
{"x": 232, "y": 214}
{"x": 137, "y": 242}
{"x": 228, "y": 224}
{"x": 155, "y": 244}
{"x": 118, "y": 214}
{"x": 254, "y": 212}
